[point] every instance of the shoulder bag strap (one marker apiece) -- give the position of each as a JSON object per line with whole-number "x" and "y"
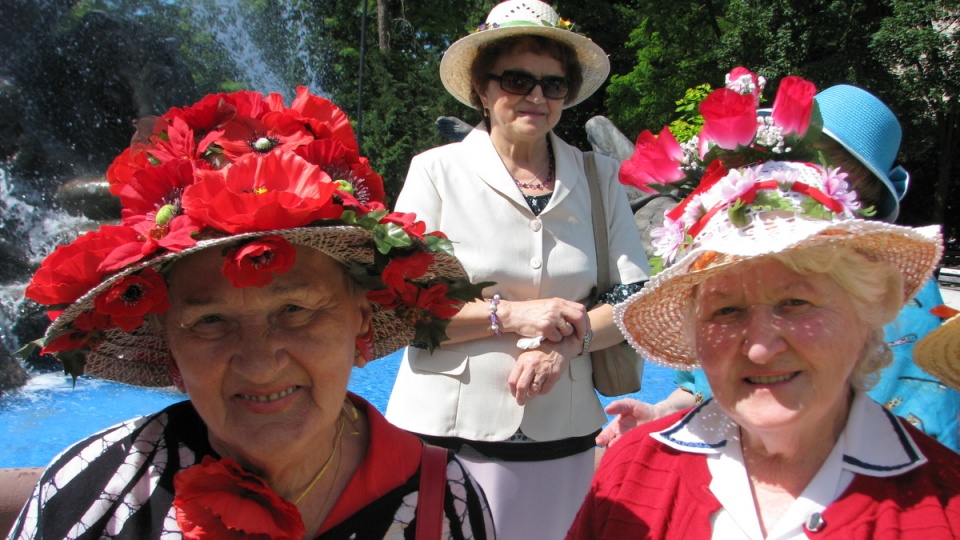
{"x": 599, "y": 223}
{"x": 433, "y": 485}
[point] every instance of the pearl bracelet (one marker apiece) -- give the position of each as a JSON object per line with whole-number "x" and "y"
{"x": 494, "y": 320}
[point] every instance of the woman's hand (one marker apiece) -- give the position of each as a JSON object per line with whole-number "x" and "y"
{"x": 537, "y": 371}
{"x": 553, "y": 318}
{"x": 630, "y": 413}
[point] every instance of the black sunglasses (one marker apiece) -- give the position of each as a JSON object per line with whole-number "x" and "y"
{"x": 521, "y": 83}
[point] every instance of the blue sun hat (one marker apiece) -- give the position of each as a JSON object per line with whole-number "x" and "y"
{"x": 864, "y": 126}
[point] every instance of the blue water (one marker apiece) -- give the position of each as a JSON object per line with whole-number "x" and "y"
{"x": 50, "y": 413}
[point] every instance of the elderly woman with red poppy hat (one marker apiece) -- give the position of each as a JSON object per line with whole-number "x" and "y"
{"x": 255, "y": 265}
{"x": 780, "y": 294}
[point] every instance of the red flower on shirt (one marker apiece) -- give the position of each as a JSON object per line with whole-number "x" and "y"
{"x": 217, "y": 499}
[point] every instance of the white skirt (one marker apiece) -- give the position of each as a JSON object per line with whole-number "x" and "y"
{"x": 534, "y": 499}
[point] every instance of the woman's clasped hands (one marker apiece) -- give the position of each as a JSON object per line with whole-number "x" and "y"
{"x": 562, "y": 325}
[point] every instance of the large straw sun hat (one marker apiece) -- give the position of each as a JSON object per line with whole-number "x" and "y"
{"x": 938, "y": 353}
{"x": 247, "y": 175}
{"x": 759, "y": 191}
{"x": 522, "y": 18}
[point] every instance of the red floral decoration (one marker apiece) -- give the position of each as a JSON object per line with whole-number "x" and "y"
{"x": 733, "y": 134}
{"x": 729, "y": 120}
{"x": 277, "y": 191}
{"x": 254, "y": 263}
{"x": 218, "y": 499}
{"x": 132, "y": 297}
{"x": 655, "y": 161}
{"x": 793, "y": 106}
{"x": 73, "y": 269}
{"x": 237, "y": 163}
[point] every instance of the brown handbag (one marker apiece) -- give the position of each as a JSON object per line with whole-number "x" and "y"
{"x": 617, "y": 370}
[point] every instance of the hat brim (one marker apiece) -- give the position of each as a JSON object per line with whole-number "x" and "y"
{"x": 654, "y": 319}
{"x": 457, "y": 61}
{"x": 142, "y": 358}
{"x": 938, "y": 353}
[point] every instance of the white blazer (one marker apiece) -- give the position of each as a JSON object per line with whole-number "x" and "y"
{"x": 464, "y": 190}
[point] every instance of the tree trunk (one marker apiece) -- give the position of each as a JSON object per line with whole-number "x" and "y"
{"x": 383, "y": 25}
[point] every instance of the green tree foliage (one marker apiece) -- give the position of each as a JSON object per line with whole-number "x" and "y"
{"x": 920, "y": 46}
{"x": 904, "y": 51}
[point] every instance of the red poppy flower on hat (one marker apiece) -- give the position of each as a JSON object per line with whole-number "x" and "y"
{"x": 729, "y": 120}
{"x": 276, "y": 191}
{"x": 73, "y": 269}
{"x": 273, "y": 130}
{"x": 154, "y": 233}
{"x": 324, "y": 119}
{"x": 655, "y": 160}
{"x": 208, "y": 114}
{"x": 85, "y": 331}
{"x": 152, "y": 188}
{"x": 125, "y": 165}
{"x": 132, "y": 297}
{"x": 217, "y": 499}
{"x": 793, "y": 105}
{"x": 364, "y": 187}
{"x": 253, "y": 264}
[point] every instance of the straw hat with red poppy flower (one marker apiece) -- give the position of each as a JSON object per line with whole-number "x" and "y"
{"x": 248, "y": 174}
{"x": 756, "y": 186}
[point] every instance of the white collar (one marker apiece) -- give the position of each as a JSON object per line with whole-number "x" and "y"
{"x": 876, "y": 442}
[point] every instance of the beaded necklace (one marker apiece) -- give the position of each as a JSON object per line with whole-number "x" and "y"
{"x": 540, "y": 185}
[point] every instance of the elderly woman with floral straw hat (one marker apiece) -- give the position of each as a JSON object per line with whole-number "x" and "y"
{"x": 515, "y": 201}
{"x": 254, "y": 267}
{"x": 862, "y": 137}
{"x": 780, "y": 295}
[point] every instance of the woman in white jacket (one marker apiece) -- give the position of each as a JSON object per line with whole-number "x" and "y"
{"x": 515, "y": 201}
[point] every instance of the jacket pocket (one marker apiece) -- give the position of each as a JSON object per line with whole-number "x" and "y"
{"x": 451, "y": 363}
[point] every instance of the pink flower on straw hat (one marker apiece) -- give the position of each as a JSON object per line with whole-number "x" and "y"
{"x": 729, "y": 120}
{"x": 793, "y": 105}
{"x": 655, "y": 160}
{"x": 743, "y": 81}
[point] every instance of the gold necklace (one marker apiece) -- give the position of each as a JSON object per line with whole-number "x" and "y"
{"x": 336, "y": 446}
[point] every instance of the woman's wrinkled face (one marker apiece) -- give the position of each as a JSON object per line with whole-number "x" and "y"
{"x": 522, "y": 118}
{"x": 266, "y": 368}
{"x": 778, "y": 347}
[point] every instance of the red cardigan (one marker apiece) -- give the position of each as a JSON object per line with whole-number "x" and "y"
{"x": 645, "y": 489}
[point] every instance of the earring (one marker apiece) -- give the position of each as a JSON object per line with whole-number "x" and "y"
{"x": 486, "y": 112}
{"x": 364, "y": 345}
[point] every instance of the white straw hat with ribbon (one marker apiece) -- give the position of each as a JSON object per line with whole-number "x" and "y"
{"x": 759, "y": 188}
{"x": 522, "y": 18}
